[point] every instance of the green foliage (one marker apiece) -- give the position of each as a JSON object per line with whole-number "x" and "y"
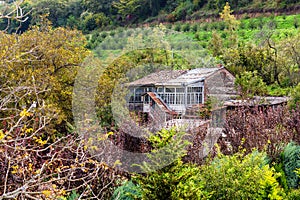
{"x": 241, "y": 177}
{"x": 57, "y": 10}
{"x": 294, "y": 194}
{"x": 276, "y": 90}
{"x": 175, "y": 181}
{"x": 295, "y": 101}
{"x": 127, "y": 191}
{"x": 250, "y": 84}
{"x": 216, "y": 44}
{"x": 98, "y": 6}
{"x": 186, "y": 27}
{"x": 73, "y": 196}
{"x": 228, "y": 18}
{"x": 94, "y": 21}
{"x": 128, "y": 7}
{"x": 282, "y": 178}
{"x": 177, "y": 27}
{"x": 46, "y": 58}
{"x": 291, "y": 162}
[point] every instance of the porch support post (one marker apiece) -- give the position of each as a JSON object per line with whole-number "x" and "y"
{"x": 185, "y": 95}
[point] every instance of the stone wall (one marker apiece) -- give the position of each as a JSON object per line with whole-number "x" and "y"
{"x": 220, "y": 85}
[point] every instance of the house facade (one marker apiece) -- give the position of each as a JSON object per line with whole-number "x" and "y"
{"x": 172, "y": 92}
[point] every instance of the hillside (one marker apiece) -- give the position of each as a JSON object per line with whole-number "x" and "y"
{"x": 88, "y": 15}
{"x": 87, "y": 85}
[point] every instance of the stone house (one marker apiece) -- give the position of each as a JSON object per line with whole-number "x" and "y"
{"x": 170, "y": 94}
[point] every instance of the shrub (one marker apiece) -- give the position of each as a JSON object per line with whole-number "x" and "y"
{"x": 252, "y": 24}
{"x": 295, "y": 101}
{"x": 186, "y": 27}
{"x": 197, "y": 36}
{"x": 282, "y": 179}
{"x": 94, "y": 21}
{"x": 205, "y": 27}
{"x": 175, "y": 181}
{"x": 242, "y": 25}
{"x": 127, "y": 191}
{"x": 169, "y": 26}
{"x": 268, "y": 129}
{"x": 195, "y": 28}
{"x": 222, "y": 26}
{"x": 177, "y": 27}
{"x": 291, "y": 162}
{"x": 250, "y": 84}
{"x": 241, "y": 177}
{"x": 293, "y": 195}
{"x": 296, "y": 22}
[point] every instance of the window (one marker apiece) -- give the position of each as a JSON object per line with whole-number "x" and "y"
{"x": 160, "y": 90}
{"x": 170, "y": 90}
{"x": 138, "y": 92}
{"x": 179, "y": 90}
{"x": 194, "y": 95}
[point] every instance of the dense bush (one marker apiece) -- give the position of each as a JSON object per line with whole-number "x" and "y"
{"x": 94, "y": 21}
{"x": 127, "y": 191}
{"x": 291, "y": 162}
{"x": 175, "y": 181}
{"x": 295, "y": 101}
{"x": 250, "y": 84}
{"x": 185, "y": 27}
{"x": 241, "y": 177}
{"x": 236, "y": 176}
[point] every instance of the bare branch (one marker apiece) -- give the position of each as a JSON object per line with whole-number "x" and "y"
{"x": 14, "y": 11}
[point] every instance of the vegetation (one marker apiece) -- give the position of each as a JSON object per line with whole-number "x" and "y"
{"x": 226, "y": 177}
{"x": 45, "y": 43}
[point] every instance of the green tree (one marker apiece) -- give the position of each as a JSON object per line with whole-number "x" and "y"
{"x": 94, "y": 21}
{"x": 250, "y": 84}
{"x": 295, "y": 97}
{"x": 216, "y": 44}
{"x": 97, "y": 6}
{"x": 231, "y": 25}
{"x": 45, "y": 57}
{"x": 128, "y": 7}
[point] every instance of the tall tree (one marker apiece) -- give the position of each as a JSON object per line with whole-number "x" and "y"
{"x": 129, "y": 7}
{"x": 231, "y": 24}
{"x": 96, "y": 6}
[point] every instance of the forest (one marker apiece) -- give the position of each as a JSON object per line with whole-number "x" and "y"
{"x": 65, "y": 130}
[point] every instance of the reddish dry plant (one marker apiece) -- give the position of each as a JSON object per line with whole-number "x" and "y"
{"x": 268, "y": 129}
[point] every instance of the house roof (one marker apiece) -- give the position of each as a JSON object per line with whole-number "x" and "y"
{"x": 192, "y": 76}
{"x": 158, "y": 77}
{"x": 257, "y": 100}
{"x": 175, "y": 77}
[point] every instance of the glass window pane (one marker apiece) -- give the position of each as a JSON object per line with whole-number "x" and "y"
{"x": 180, "y": 90}
{"x": 170, "y": 89}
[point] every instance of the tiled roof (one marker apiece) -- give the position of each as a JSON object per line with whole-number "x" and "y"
{"x": 192, "y": 76}
{"x": 175, "y": 77}
{"x": 158, "y": 77}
